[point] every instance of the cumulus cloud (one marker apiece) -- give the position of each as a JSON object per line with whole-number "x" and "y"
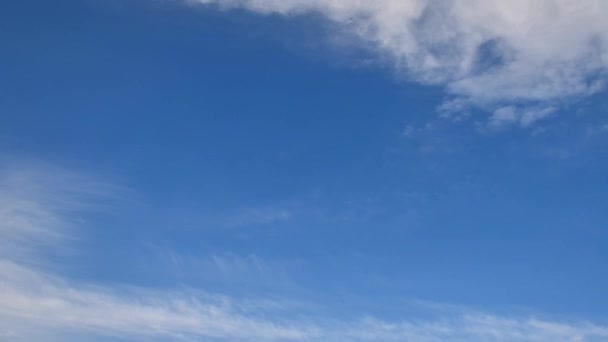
{"x": 485, "y": 53}
{"x": 38, "y": 304}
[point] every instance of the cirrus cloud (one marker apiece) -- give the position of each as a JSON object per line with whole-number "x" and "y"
{"x": 38, "y": 304}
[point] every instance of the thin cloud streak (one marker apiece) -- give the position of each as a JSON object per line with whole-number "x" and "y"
{"x": 40, "y": 206}
{"x": 48, "y": 304}
{"x": 41, "y": 301}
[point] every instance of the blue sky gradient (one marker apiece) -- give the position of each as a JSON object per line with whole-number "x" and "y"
{"x": 254, "y": 171}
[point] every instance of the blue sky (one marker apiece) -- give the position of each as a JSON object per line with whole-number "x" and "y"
{"x": 265, "y": 170}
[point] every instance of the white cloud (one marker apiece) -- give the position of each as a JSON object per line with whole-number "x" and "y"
{"x": 39, "y": 205}
{"x": 257, "y": 216}
{"x": 508, "y": 115}
{"x": 43, "y": 302}
{"x": 225, "y": 268}
{"x": 39, "y": 212}
{"x": 487, "y": 53}
{"x": 36, "y": 304}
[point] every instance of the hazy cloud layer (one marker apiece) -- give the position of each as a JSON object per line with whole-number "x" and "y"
{"x": 486, "y": 53}
{"x": 34, "y": 304}
{"x": 38, "y": 304}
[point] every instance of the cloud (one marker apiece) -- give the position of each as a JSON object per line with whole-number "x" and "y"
{"x": 225, "y": 269}
{"x": 485, "y": 53}
{"x": 254, "y": 216}
{"x": 508, "y": 115}
{"x": 40, "y": 210}
{"x": 40, "y": 204}
{"x": 38, "y": 304}
{"x": 43, "y": 302}
{"x": 34, "y": 303}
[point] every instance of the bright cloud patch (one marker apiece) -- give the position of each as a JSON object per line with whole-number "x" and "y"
{"x": 486, "y": 53}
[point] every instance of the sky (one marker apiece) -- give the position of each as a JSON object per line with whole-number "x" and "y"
{"x": 303, "y": 170}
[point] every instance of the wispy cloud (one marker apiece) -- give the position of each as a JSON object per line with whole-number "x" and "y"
{"x": 226, "y": 269}
{"x": 39, "y": 212}
{"x": 485, "y": 53}
{"x": 40, "y": 204}
{"x": 37, "y": 304}
{"x": 511, "y": 115}
{"x": 41, "y": 301}
{"x": 254, "y": 216}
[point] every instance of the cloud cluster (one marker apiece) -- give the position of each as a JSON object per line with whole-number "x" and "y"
{"x": 485, "y": 53}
